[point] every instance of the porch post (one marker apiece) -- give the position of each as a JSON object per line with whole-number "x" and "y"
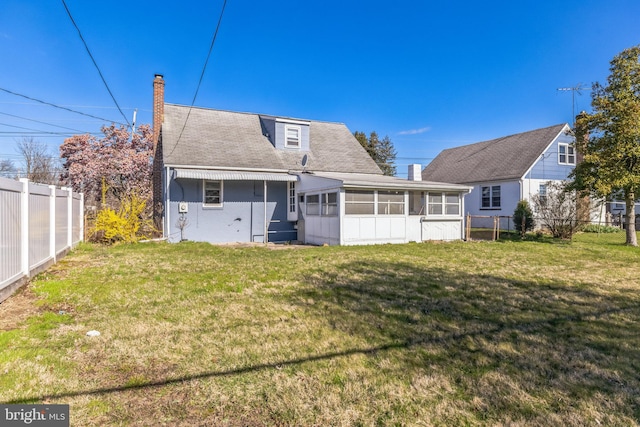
{"x": 266, "y": 224}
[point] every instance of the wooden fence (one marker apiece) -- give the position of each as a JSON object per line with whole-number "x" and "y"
{"x": 38, "y": 225}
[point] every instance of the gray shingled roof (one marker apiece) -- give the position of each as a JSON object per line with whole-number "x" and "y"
{"x": 505, "y": 158}
{"x": 224, "y": 139}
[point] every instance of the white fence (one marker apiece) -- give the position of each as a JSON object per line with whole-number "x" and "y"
{"x": 38, "y": 225}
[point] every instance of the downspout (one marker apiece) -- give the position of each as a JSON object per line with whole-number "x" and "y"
{"x": 167, "y": 207}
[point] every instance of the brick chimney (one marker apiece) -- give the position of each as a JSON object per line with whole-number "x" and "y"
{"x": 158, "y": 106}
{"x": 156, "y": 174}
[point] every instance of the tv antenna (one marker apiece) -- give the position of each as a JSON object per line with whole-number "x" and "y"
{"x": 577, "y": 89}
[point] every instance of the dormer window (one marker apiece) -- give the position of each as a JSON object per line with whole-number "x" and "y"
{"x": 293, "y": 136}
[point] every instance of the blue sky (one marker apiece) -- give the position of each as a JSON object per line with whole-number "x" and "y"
{"x": 430, "y": 75}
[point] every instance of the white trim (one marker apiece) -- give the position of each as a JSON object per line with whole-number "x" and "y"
{"x": 292, "y": 121}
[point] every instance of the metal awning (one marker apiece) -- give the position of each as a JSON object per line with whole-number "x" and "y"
{"x": 215, "y": 175}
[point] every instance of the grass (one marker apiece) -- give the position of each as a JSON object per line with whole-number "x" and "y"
{"x": 483, "y": 333}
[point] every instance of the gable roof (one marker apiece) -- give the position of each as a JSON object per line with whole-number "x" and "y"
{"x": 505, "y": 158}
{"x": 236, "y": 141}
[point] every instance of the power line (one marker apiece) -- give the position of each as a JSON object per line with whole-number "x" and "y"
{"x": 213, "y": 40}
{"x": 94, "y": 62}
{"x": 60, "y": 107}
{"x": 38, "y": 121}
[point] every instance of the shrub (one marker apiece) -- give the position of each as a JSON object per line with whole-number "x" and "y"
{"x": 596, "y": 228}
{"x": 126, "y": 225}
{"x": 523, "y": 218}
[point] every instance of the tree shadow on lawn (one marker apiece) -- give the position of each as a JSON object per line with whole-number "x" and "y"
{"x": 562, "y": 344}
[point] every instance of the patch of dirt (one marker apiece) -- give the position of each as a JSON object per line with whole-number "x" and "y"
{"x": 272, "y": 246}
{"x": 15, "y": 309}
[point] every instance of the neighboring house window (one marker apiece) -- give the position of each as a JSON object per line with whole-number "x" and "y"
{"x": 313, "y": 204}
{"x": 491, "y": 197}
{"x": 543, "y": 192}
{"x": 212, "y": 193}
{"x": 443, "y": 204}
{"x": 292, "y": 135}
{"x": 357, "y": 202}
{"x": 390, "y": 202}
{"x": 566, "y": 154}
{"x": 330, "y": 204}
{"x": 416, "y": 202}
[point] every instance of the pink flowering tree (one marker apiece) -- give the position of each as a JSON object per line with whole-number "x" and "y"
{"x": 119, "y": 162}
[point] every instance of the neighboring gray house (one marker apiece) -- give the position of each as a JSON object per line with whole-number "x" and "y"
{"x": 224, "y": 176}
{"x": 506, "y": 170}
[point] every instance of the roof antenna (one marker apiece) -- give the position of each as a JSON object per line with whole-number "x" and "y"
{"x": 576, "y": 89}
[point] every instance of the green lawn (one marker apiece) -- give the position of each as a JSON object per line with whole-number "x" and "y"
{"x": 484, "y": 333}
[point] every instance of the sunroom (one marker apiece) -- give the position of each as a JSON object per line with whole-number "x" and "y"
{"x": 356, "y": 209}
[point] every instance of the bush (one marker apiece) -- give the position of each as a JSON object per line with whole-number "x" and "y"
{"x": 596, "y": 228}
{"x": 126, "y": 225}
{"x": 523, "y": 218}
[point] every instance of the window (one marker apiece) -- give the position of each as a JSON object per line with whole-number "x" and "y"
{"x": 292, "y": 136}
{"x": 566, "y": 154}
{"x": 490, "y": 197}
{"x": 443, "y": 204}
{"x": 359, "y": 202}
{"x": 435, "y": 204}
{"x": 313, "y": 204}
{"x": 212, "y": 193}
{"x": 291, "y": 202}
{"x": 329, "y": 204}
{"x": 416, "y": 202}
{"x": 451, "y": 204}
{"x": 543, "y": 192}
{"x": 390, "y": 202}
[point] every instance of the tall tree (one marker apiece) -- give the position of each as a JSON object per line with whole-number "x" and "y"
{"x": 39, "y": 164}
{"x": 609, "y": 138}
{"x": 381, "y": 151}
{"x": 119, "y": 162}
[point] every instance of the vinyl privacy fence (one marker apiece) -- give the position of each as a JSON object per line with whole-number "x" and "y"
{"x": 38, "y": 225}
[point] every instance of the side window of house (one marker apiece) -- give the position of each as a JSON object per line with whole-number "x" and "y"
{"x": 292, "y": 197}
{"x": 490, "y": 197}
{"x": 416, "y": 202}
{"x": 212, "y": 193}
{"x": 359, "y": 202}
{"x": 390, "y": 202}
{"x": 566, "y": 154}
{"x": 543, "y": 192}
{"x": 313, "y": 204}
{"x": 443, "y": 204}
{"x": 330, "y": 204}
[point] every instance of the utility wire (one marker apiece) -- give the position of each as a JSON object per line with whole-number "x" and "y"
{"x": 38, "y": 121}
{"x": 60, "y": 107}
{"x": 213, "y": 40}
{"x": 94, "y": 62}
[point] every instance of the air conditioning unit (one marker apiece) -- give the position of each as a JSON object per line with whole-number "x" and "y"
{"x": 183, "y": 207}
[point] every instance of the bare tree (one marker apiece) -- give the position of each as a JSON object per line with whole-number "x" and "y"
{"x": 8, "y": 169}
{"x": 559, "y": 210}
{"x": 39, "y": 164}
